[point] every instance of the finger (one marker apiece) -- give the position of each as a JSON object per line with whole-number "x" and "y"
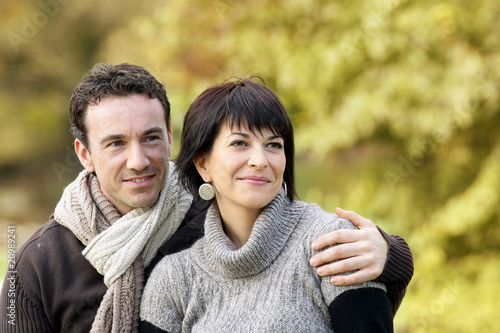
{"x": 338, "y": 252}
{"x": 354, "y": 278}
{"x": 355, "y": 219}
{"x": 341, "y": 266}
{"x": 335, "y": 237}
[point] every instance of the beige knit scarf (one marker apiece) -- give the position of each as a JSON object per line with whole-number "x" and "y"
{"x": 120, "y": 247}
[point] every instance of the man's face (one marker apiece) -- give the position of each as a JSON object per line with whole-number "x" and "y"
{"x": 128, "y": 148}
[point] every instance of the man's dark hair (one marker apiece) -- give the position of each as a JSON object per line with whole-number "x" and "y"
{"x": 112, "y": 80}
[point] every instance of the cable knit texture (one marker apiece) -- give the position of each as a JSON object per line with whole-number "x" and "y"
{"x": 120, "y": 246}
{"x": 265, "y": 286}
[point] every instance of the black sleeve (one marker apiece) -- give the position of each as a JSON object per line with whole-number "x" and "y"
{"x": 361, "y": 310}
{"x": 398, "y": 269}
{"x": 147, "y": 327}
{"x": 190, "y": 230}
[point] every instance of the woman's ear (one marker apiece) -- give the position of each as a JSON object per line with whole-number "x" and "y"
{"x": 201, "y": 163}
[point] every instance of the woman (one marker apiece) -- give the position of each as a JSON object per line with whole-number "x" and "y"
{"x": 251, "y": 270}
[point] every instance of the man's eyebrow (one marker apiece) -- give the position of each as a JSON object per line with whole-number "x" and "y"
{"x": 153, "y": 130}
{"x": 114, "y": 137}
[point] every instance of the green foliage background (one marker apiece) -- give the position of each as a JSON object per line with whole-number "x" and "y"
{"x": 395, "y": 104}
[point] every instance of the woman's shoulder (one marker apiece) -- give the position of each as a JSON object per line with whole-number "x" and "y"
{"x": 319, "y": 222}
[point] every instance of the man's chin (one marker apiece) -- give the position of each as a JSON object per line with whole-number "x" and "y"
{"x": 145, "y": 202}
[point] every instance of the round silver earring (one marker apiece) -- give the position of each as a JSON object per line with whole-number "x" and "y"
{"x": 206, "y": 191}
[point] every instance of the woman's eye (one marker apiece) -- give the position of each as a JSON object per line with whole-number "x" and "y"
{"x": 238, "y": 143}
{"x": 276, "y": 145}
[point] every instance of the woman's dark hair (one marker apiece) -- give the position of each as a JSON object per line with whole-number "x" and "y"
{"x": 239, "y": 102}
{"x": 112, "y": 80}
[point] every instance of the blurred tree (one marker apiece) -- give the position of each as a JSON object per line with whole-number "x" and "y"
{"x": 398, "y": 100}
{"x": 395, "y": 106}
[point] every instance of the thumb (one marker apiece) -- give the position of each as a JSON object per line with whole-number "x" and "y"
{"x": 356, "y": 219}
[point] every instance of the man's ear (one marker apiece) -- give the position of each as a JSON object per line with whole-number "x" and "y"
{"x": 84, "y": 156}
{"x": 170, "y": 141}
{"x": 200, "y": 163}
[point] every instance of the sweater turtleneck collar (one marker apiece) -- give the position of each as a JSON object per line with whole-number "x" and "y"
{"x": 269, "y": 235}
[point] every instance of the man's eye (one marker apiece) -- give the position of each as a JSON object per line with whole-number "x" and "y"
{"x": 152, "y": 138}
{"x": 116, "y": 144}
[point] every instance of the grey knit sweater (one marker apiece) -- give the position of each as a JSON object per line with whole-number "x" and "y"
{"x": 265, "y": 286}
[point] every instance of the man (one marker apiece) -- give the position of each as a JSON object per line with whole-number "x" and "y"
{"x": 85, "y": 269}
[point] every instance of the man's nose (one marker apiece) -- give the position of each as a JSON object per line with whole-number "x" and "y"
{"x": 137, "y": 158}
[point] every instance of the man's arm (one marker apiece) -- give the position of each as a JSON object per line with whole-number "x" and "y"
{"x": 398, "y": 269}
{"x": 369, "y": 250}
{"x": 17, "y": 311}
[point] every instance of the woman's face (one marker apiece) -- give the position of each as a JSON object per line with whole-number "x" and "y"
{"x": 245, "y": 168}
